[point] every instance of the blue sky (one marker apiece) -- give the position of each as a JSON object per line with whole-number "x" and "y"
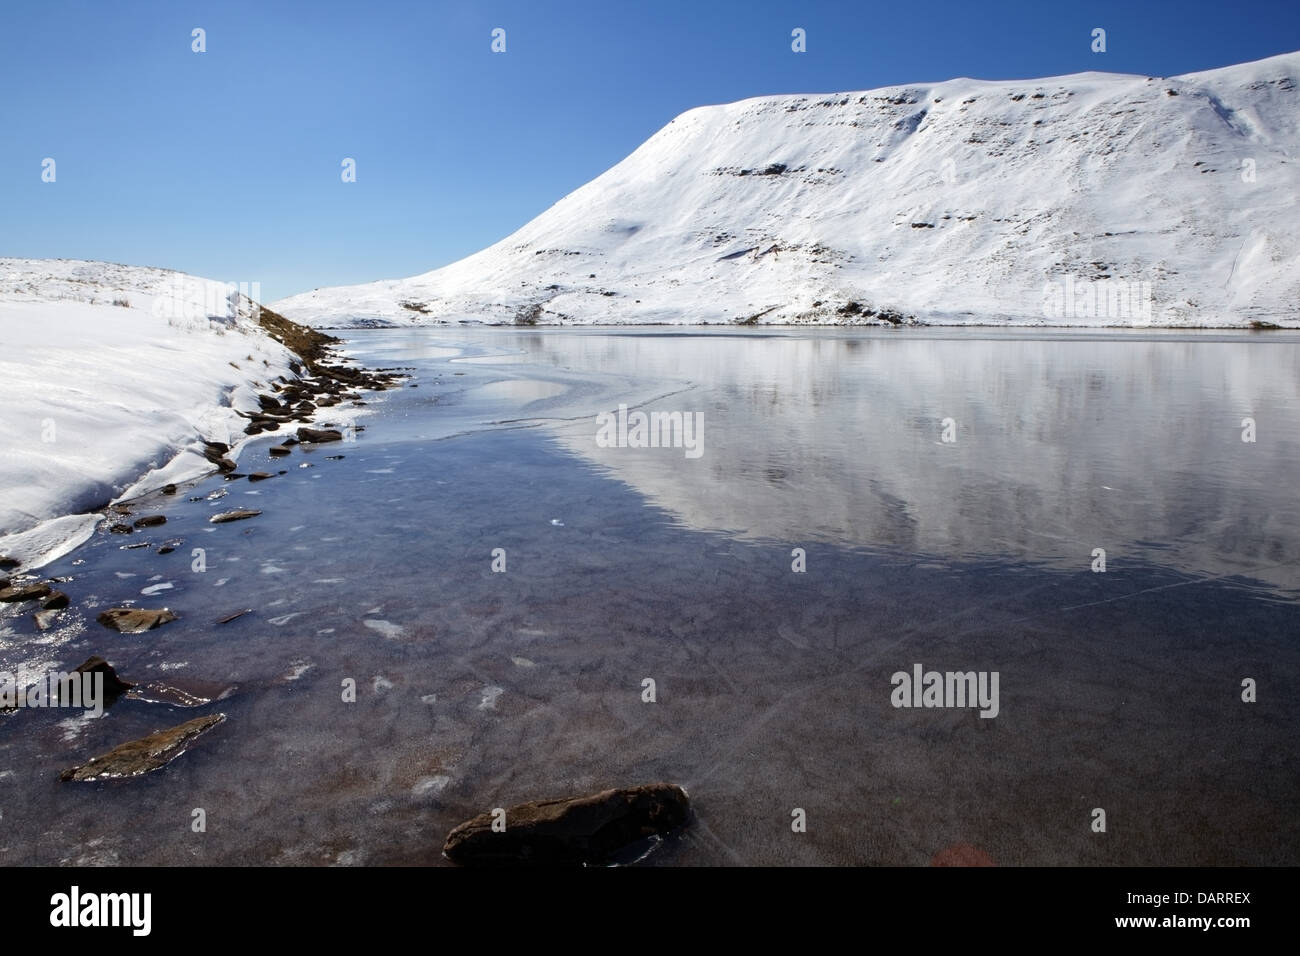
{"x": 227, "y": 163}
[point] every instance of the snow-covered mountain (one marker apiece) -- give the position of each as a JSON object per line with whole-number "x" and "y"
{"x": 1092, "y": 199}
{"x": 109, "y": 374}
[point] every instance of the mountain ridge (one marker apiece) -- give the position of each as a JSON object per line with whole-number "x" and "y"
{"x": 1158, "y": 201}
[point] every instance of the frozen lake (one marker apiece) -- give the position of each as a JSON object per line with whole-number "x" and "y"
{"x": 945, "y": 495}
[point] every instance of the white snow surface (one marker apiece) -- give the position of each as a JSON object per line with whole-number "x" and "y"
{"x": 966, "y": 201}
{"x": 102, "y": 402}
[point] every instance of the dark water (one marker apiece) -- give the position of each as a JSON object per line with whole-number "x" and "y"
{"x": 1118, "y": 690}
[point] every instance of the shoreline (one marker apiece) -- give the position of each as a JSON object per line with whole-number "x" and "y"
{"x": 318, "y": 368}
{"x": 1255, "y": 326}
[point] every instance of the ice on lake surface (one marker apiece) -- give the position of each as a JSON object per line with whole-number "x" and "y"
{"x": 1119, "y": 690}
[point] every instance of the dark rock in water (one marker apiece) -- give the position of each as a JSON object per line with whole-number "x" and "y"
{"x": 319, "y": 435}
{"x": 573, "y": 832}
{"x": 231, "y": 617}
{"x": 136, "y": 546}
{"x": 7, "y": 563}
{"x": 166, "y": 549}
{"x": 169, "y": 489}
{"x": 24, "y": 592}
{"x": 150, "y": 521}
{"x": 233, "y": 476}
{"x": 239, "y": 514}
{"x": 260, "y": 476}
{"x": 278, "y": 450}
{"x": 335, "y": 457}
{"x": 134, "y": 620}
{"x": 120, "y": 528}
{"x": 56, "y": 601}
{"x": 113, "y": 685}
{"x": 224, "y": 464}
{"x": 143, "y": 755}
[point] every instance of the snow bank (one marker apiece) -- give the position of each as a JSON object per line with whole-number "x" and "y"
{"x": 1087, "y": 200}
{"x": 108, "y": 375}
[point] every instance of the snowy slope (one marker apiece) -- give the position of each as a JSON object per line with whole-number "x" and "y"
{"x": 963, "y": 201}
{"x": 102, "y": 400}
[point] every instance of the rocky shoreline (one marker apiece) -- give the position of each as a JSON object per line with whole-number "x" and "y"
{"x": 321, "y": 381}
{"x": 609, "y": 827}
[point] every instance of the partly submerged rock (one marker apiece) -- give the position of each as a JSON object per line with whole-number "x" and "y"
{"x": 238, "y": 514}
{"x": 46, "y": 619}
{"x": 319, "y": 435}
{"x": 133, "y": 620}
{"x": 143, "y": 755}
{"x": 24, "y": 592}
{"x": 54, "y": 601}
{"x": 113, "y": 685}
{"x": 182, "y": 692}
{"x": 150, "y": 521}
{"x": 572, "y": 832}
{"x": 278, "y": 450}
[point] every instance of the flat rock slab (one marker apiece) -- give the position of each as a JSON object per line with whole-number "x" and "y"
{"x": 24, "y": 592}
{"x": 143, "y": 755}
{"x": 183, "y": 692}
{"x": 319, "y": 435}
{"x": 150, "y": 521}
{"x": 133, "y": 620}
{"x": 578, "y": 831}
{"x": 239, "y": 514}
